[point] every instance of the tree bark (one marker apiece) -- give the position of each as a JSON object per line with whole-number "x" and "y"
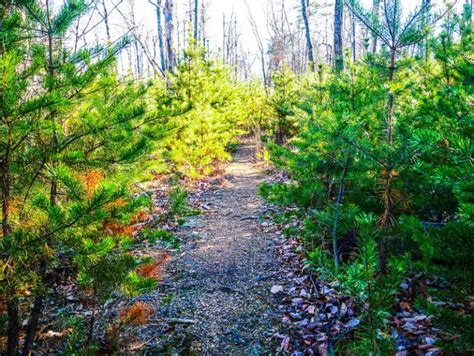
{"x": 338, "y": 18}
{"x": 353, "y": 35}
{"x": 196, "y": 20}
{"x": 309, "y": 43}
{"x": 35, "y": 314}
{"x": 6, "y": 193}
{"x": 340, "y": 195}
{"x": 424, "y": 20}
{"x": 160, "y": 35}
{"x": 391, "y": 98}
{"x": 12, "y": 305}
{"x": 106, "y": 20}
{"x": 13, "y": 327}
{"x": 375, "y": 12}
{"x": 169, "y": 33}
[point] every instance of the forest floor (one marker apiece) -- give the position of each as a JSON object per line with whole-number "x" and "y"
{"x": 221, "y": 280}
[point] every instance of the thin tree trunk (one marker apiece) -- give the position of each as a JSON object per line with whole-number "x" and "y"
{"x": 13, "y": 327}
{"x": 340, "y": 196}
{"x": 35, "y": 314}
{"x": 6, "y": 190}
{"x": 388, "y": 219}
{"x": 138, "y": 62}
{"x": 309, "y": 43}
{"x": 203, "y": 24}
{"x": 338, "y": 17}
{"x": 424, "y": 48}
{"x": 106, "y": 20}
{"x": 90, "y": 334}
{"x": 160, "y": 35}
{"x": 353, "y": 35}
{"x": 375, "y": 12}
{"x": 196, "y": 20}
{"x": 223, "y": 38}
{"x": 39, "y": 298}
{"x": 169, "y": 32}
{"x": 12, "y": 305}
{"x": 391, "y": 98}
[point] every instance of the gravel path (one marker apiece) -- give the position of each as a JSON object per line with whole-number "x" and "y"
{"x": 229, "y": 262}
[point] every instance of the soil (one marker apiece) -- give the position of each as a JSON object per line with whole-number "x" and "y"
{"x": 221, "y": 280}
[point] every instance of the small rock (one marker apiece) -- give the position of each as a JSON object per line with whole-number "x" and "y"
{"x": 276, "y": 289}
{"x": 297, "y": 301}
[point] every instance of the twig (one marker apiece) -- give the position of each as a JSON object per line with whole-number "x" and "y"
{"x": 176, "y": 321}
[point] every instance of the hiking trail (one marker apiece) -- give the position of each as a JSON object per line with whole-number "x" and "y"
{"x": 228, "y": 263}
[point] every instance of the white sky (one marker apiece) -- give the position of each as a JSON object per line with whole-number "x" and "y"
{"x": 145, "y": 12}
{"x": 146, "y": 18}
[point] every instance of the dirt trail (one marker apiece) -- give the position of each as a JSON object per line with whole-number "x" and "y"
{"x": 228, "y": 264}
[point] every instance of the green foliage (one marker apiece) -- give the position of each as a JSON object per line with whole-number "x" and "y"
{"x": 459, "y": 324}
{"x": 373, "y": 292}
{"x": 284, "y": 95}
{"x": 213, "y": 112}
{"x": 76, "y": 337}
{"x": 71, "y": 137}
{"x": 178, "y": 205}
{"x": 418, "y": 184}
{"x": 164, "y": 236}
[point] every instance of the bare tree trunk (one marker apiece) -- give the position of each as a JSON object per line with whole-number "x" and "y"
{"x": 196, "y": 20}
{"x": 375, "y": 12}
{"x": 203, "y": 23}
{"x": 5, "y": 189}
{"x": 35, "y": 315}
{"x": 39, "y": 298}
{"x": 223, "y": 38}
{"x": 309, "y": 43}
{"x": 338, "y": 16}
{"x": 236, "y": 45}
{"x": 12, "y": 305}
{"x": 353, "y": 35}
{"x": 261, "y": 47}
{"x": 340, "y": 195}
{"x": 106, "y": 20}
{"x": 13, "y": 327}
{"x": 328, "y": 46}
{"x": 160, "y": 35}
{"x": 424, "y": 20}
{"x": 169, "y": 32}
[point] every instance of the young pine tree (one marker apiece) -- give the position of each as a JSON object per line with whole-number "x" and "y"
{"x": 69, "y": 133}
{"x": 214, "y": 115}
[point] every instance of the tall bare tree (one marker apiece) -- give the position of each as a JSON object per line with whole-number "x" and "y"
{"x": 105, "y": 17}
{"x": 203, "y": 18}
{"x": 309, "y": 42}
{"x": 169, "y": 33}
{"x": 260, "y": 44}
{"x": 375, "y": 12}
{"x": 158, "y": 4}
{"x": 353, "y": 37}
{"x": 338, "y": 23}
{"x": 196, "y": 20}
